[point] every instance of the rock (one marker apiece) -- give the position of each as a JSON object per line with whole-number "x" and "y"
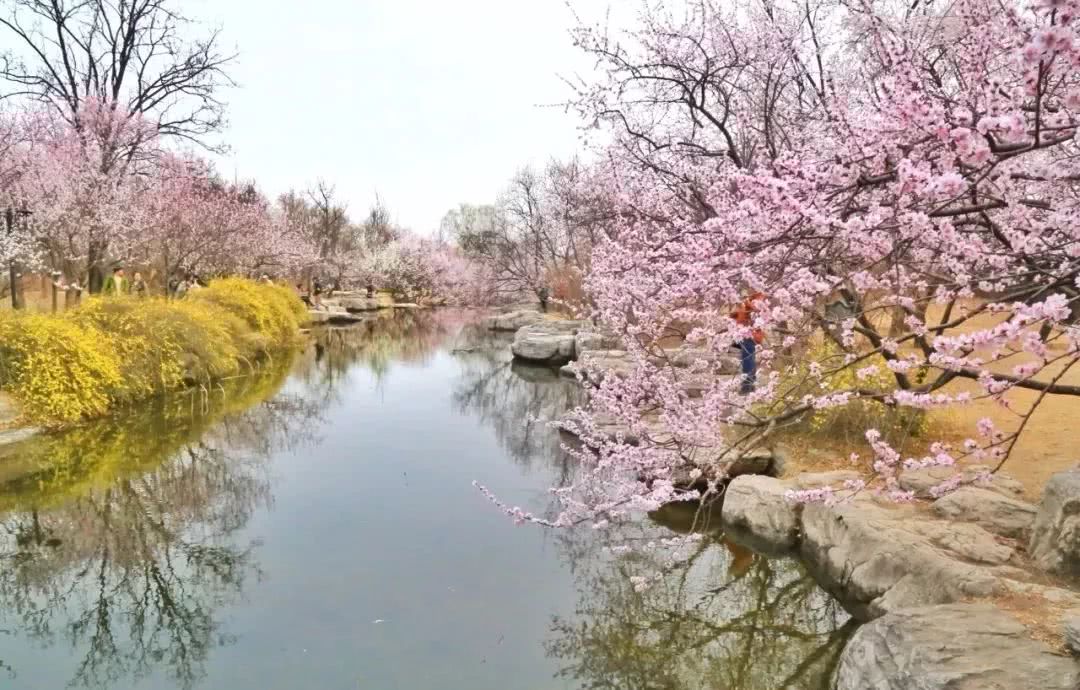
{"x": 1055, "y": 536}
{"x": 757, "y": 511}
{"x": 546, "y": 342}
{"x": 321, "y": 316}
{"x": 595, "y": 364}
{"x": 12, "y": 436}
{"x": 405, "y": 305}
{"x": 1070, "y": 627}
{"x": 360, "y": 304}
{"x": 513, "y": 321}
{"x": 544, "y": 349}
{"x": 951, "y": 647}
{"x": 880, "y": 558}
{"x": 1009, "y": 517}
{"x": 591, "y": 338}
{"x": 922, "y": 481}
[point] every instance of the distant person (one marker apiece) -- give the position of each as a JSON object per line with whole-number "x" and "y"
{"x": 182, "y": 286}
{"x": 744, "y": 316}
{"x": 195, "y": 283}
{"x": 138, "y": 285}
{"x": 316, "y": 293}
{"x": 116, "y": 284}
{"x": 542, "y": 293}
{"x": 303, "y": 294}
{"x": 265, "y": 279}
{"x": 370, "y": 291}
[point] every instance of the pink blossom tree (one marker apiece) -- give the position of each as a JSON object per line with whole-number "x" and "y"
{"x": 913, "y": 165}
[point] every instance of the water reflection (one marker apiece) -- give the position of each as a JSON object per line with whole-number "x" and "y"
{"x": 129, "y": 542}
{"x": 116, "y": 537}
{"x": 518, "y": 402}
{"x": 719, "y": 616}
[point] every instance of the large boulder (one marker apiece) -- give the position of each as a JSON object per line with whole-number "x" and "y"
{"x": 513, "y": 321}
{"x": 951, "y": 647}
{"x": 546, "y": 342}
{"x": 876, "y": 557}
{"x": 758, "y": 512}
{"x": 1055, "y": 536}
{"x": 1009, "y": 517}
{"x": 922, "y": 481}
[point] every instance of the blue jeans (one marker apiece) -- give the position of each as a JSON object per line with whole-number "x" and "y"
{"x": 748, "y": 359}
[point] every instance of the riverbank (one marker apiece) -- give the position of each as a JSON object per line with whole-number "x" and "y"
{"x": 111, "y": 352}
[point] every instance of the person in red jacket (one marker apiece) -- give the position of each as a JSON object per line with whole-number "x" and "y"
{"x": 744, "y": 316}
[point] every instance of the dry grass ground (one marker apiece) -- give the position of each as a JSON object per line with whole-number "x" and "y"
{"x": 1050, "y": 442}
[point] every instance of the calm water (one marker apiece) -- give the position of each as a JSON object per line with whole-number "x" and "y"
{"x": 315, "y": 527}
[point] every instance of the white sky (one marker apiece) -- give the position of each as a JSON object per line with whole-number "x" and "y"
{"x": 429, "y": 103}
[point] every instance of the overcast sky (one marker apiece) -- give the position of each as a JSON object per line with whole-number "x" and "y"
{"x": 429, "y": 103}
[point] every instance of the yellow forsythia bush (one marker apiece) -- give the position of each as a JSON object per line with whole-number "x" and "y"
{"x": 271, "y": 310}
{"x": 116, "y": 350}
{"x": 59, "y": 370}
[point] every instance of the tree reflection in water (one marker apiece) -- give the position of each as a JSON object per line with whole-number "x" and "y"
{"x": 117, "y": 537}
{"x": 718, "y": 616}
{"x": 518, "y": 402}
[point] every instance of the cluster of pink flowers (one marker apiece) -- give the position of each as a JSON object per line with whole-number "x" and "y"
{"x": 105, "y": 187}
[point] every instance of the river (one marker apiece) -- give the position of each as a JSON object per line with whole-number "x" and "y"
{"x": 315, "y": 526}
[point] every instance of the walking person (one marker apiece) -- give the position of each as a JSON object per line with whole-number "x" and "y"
{"x": 316, "y": 293}
{"x": 744, "y": 316}
{"x": 116, "y": 284}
